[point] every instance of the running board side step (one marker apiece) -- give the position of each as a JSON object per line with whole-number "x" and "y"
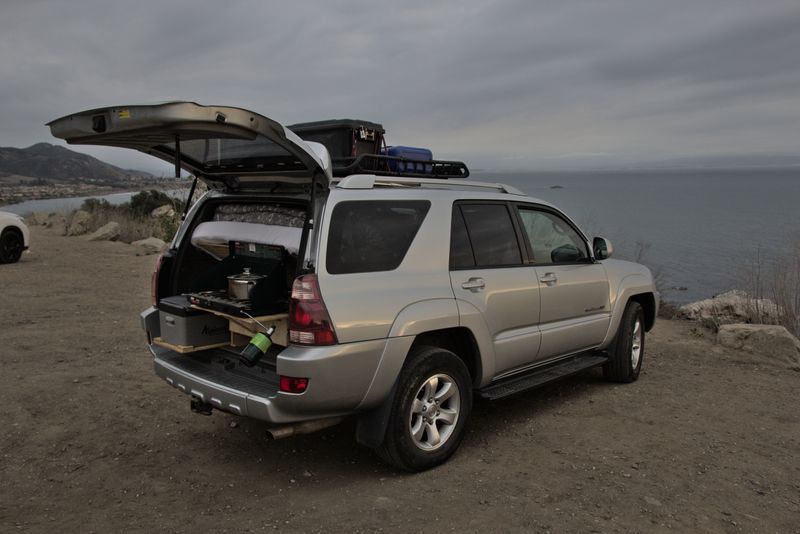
{"x": 540, "y": 376}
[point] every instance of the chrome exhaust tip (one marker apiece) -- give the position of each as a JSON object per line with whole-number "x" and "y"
{"x": 306, "y": 427}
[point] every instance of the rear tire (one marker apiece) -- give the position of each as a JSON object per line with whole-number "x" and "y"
{"x": 429, "y": 412}
{"x": 627, "y": 350}
{"x": 10, "y": 246}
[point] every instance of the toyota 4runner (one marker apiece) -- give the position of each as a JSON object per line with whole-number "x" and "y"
{"x": 392, "y": 296}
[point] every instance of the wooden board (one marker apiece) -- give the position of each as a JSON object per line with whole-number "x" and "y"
{"x": 183, "y": 349}
{"x": 248, "y": 327}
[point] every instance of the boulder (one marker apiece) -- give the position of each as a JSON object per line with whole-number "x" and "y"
{"x": 771, "y": 341}
{"x": 107, "y": 232}
{"x": 730, "y": 308}
{"x": 79, "y": 223}
{"x": 163, "y": 211}
{"x": 151, "y": 245}
{"x": 57, "y": 222}
{"x": 37, "y": 219}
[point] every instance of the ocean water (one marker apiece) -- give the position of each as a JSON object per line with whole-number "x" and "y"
{"x": 700, "y": 228}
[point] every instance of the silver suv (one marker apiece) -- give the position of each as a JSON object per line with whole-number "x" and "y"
{"x": 393, "y": 297}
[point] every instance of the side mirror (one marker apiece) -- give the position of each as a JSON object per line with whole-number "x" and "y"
{"x": 602, "y": 248}
{"x": 566, "y": 254}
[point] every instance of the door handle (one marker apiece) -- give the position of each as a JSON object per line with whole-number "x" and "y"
{"x": 474, "y": 284}
{"x": 549, "y": 279}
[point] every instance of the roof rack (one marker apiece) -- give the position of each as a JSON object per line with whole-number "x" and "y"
{"x": 398, "y": 166}
{"x": 370, "y": 181}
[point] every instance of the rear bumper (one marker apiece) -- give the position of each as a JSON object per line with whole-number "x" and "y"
{"x": 189, "y": 377}
{"x": 339, "y": 377}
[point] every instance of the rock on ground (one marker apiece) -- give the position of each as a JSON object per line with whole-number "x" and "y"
{"x": 107, "y": 232}
{"x": 163, "y": 211}
{"x": 730, "y": 308}
{"x": 769, "y": 341}
{"x": 151, "y": 245}
{"x": 56, "y": 222}
{"x": 37, "y": 219}
{"x": 79, "y": 224}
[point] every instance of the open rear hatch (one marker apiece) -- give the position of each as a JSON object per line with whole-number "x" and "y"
{"x": 228, "y": 148}
{"x": 264, "y": 236}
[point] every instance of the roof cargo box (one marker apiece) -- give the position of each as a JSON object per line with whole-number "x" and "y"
{"x": 411, "y": 159}
{"x": 358, "y": 147}
{"x": 344, "y": 138}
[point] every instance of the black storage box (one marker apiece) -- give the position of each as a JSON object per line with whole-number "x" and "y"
{"x": 186, "y": 326}
{"x": 344, "y": 138}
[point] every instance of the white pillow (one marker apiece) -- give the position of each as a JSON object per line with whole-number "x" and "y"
{"x": 211, "y": 236}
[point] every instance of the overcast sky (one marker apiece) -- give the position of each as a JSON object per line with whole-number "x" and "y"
{"x": 503, "y": 85}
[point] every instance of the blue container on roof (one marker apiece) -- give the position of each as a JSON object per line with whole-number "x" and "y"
{"x": 416, "y": 159}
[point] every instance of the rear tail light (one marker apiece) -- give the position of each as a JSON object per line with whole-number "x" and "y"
{"x": 154, "y": 280}
{"x": 309, "y": 321}
{"x": 293, "y": 384}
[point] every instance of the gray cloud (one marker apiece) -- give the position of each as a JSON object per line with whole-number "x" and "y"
{"x": 509, "y": 84}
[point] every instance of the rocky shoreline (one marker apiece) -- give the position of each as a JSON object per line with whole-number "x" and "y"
{"x": 747, "y": 323}
{"x": 79, "y": 223}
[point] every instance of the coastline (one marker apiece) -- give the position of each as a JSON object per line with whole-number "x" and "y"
{"x": 11, "y": 196}
{"x": 64, "y": 204}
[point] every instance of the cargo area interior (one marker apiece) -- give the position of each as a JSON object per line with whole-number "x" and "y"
{"x": 232, "y": 236}
{"x": 233, "y": 271}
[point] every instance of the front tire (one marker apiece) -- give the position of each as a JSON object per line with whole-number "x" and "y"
{"x": 11, "y": 247}
{"x": 627, "y": 350}
{"x": 429, "y": 412}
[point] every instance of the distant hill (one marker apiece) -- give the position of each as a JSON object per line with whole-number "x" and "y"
{"x": 56, "y": 164}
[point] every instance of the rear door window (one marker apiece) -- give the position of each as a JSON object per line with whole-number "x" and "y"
{"x": 372, "y": 235}
{"x": 492, "y": 234}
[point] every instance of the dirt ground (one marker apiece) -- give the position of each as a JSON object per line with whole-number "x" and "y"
{"x": 92, "y": 441}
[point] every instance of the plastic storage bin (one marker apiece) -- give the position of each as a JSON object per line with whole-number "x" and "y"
{"x": 186, "y": 326}
{"x": 411, "y": 153}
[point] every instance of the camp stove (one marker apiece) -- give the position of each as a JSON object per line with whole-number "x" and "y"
{"x": 220, "y": 301}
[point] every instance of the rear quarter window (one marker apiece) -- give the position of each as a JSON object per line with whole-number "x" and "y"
{"x": 372, "y": 235}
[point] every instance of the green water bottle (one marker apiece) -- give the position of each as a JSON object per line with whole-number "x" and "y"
{"x": 258, "y": 346}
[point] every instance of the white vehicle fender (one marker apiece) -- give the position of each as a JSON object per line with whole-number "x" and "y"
{"x": 9, "y": 220}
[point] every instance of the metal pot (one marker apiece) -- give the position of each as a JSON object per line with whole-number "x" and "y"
{"x": 240, "y": 286}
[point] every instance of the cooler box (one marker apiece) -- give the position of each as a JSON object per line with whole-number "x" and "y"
{"x": 409, "y": 152}
{"x": 186, "y": 326}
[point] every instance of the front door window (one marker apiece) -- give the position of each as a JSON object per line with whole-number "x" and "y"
{"x": 551, "y": 239}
